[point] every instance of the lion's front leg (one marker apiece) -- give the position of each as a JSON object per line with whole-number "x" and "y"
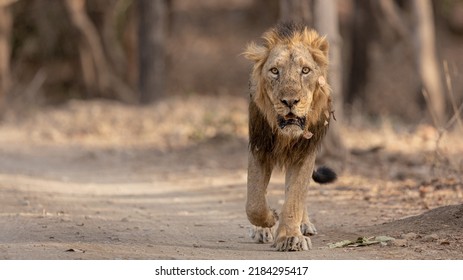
{"x": 289, "y": 236}
{"x": 257, "y": 209}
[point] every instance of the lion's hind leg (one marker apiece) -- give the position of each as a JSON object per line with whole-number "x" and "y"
{"x": 307, "y": 228}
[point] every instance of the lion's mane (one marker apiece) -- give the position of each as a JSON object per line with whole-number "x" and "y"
{"x": 266, "y": 142}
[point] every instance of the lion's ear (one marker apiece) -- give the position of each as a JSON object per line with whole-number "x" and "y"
{"x": 255, "y": 53}
{"x": 324, "y": 45}
{"x": 320, "y": 48}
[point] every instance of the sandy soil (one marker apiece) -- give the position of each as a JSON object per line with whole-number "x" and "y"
{"x": 100, "y": 180}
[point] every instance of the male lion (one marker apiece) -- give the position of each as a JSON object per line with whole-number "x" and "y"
{"x": 289, "y": 113}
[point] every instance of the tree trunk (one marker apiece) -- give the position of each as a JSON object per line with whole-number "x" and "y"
{"x": 152, "y": 35}
{"x": 363, "y": 28}
{"x": 326, "y": 22}
{"x": 109, "y": 35}
{"x": 298, "y": 11}
{"x": 98, "y": 75}
{"x": 6, "y": 21}
{"x": 426, "y": 58}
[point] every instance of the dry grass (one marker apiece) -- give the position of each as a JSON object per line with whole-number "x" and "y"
{"x": 182, "y": 121}
{"x": 178, "y": 122}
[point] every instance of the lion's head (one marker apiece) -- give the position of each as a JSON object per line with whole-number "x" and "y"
{"x": 289, "y": 78}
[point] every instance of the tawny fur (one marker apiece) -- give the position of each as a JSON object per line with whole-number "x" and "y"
{"x": 289, "y": 48}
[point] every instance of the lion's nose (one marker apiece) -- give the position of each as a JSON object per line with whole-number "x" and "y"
{"x": 289, "y": 102}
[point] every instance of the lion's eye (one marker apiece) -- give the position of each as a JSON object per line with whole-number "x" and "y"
{"x": 305, "y": 70}
{"x": 274, "y": 71}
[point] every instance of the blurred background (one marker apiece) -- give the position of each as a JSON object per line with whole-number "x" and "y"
{"x": 391, "y": 60}
{"x": 389, "y": 55}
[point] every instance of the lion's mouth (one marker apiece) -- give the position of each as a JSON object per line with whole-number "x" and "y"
{"x": 291, "y": 119}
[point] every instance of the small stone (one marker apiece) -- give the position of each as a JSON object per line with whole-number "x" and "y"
{"x": 430, "y": 237}
{"x": 25, "y": 203}
{"x": 410, "y": 236}
{"x": 400, "y": 242}
{"x": 444, "y": 242}
{"x": 418, "y": 250}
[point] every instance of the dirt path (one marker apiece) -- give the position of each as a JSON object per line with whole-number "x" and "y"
{"x": 67, "y": 199}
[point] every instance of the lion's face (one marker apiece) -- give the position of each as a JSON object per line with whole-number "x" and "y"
{"x": 288, "y": 79}
{"x": 290, "y": 76}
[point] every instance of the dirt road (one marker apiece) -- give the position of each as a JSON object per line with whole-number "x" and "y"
{"x": 104, "y": 181}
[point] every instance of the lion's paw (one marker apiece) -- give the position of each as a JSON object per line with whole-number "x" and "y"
{"x": 293, "y": 243}
{"x": 308, "y": 229}
{"x": 261, "y": 235}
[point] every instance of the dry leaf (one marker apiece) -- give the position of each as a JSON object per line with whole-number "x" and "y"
{"x": 307, "y": 135}
{"x": 362, "y": 241}
{"x": 340, "y": 244}
{"x": 327, "y": 114}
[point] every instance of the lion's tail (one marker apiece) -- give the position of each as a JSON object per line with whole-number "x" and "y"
{"x": 324, "y": 175}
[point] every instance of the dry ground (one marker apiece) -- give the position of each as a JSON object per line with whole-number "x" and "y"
{"x": 99, "y": 180}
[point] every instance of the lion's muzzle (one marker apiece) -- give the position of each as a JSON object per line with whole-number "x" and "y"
{"x": 291, "y": 119}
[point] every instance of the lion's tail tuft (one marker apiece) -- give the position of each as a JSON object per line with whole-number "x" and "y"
{"x": 324, "y": 175}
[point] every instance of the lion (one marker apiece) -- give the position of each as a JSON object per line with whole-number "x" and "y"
{"x": 289, "y": 114}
